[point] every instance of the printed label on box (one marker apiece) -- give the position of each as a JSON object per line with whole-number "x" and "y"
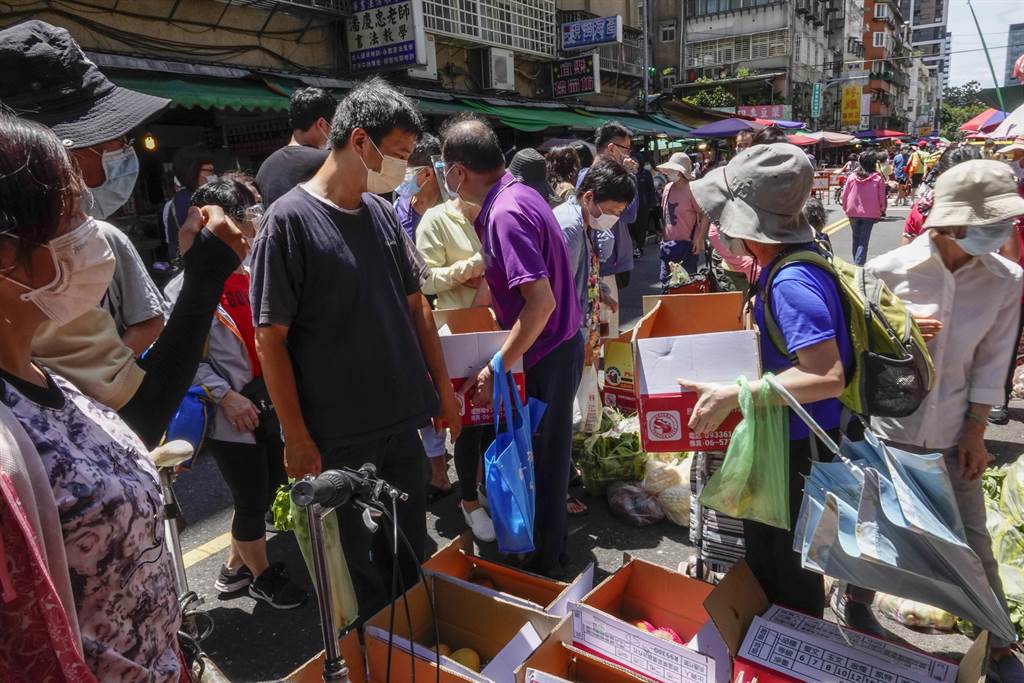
{"x": 472, "y": 415}
{"x": 619, "y": 386}
{"x": 664, "y": 422}
{"x": 809, "y": 649}
{"x": 613, "y": 639}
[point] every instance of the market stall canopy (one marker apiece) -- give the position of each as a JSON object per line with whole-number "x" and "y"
{"x": 985, "y": 121}
{"x": 1011, "y": 126}
{"x": 726, "y": 128}
{"x": 832, "y": 138}
{"x": 780, "y": 123}
{"x": 531, "y": 120}
{"x": 879, "y": 133}
{"x": 192, "y": 92}
{"x": 802, "y": 140}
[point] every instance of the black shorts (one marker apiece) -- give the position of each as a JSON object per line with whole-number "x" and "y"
{"x": 916, "y": 179}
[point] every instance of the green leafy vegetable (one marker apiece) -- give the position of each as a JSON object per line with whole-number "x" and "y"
{"x": 282, "y": 508}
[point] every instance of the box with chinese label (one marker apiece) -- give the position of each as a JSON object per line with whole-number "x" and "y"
{"x": 698, "y": 337}
{"x": 558, "y": 661}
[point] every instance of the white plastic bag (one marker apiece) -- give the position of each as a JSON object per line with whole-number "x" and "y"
{"x": 586, "y": 413}
{"x": 660, "y": 474}
{"x": 675, "y": 500}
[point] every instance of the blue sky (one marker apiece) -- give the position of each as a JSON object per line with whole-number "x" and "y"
{"x": 994, "y": 17}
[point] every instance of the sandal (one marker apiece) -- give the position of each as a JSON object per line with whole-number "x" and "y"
{"x": 581, "y": 507}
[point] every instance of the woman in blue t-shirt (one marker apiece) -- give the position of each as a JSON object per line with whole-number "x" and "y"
{"x": 757, "y": 199}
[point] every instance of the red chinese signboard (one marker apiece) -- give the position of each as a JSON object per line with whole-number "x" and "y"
{"x": 763, "y": 111}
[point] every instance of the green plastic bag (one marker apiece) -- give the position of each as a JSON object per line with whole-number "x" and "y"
{"x": 753, "y": 482}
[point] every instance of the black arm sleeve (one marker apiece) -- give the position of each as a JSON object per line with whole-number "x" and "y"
{"x": 172, "y": 361}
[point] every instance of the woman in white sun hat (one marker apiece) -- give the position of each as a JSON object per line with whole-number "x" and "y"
{"x": 686, "y": 225}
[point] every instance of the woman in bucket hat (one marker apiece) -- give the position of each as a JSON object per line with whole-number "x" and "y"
{"x": 967, "y": 301}
{"x": 758, "y": 199}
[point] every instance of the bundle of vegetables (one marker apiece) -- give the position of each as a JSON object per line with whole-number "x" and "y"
{"x": 916, "y": 615}
{"x": 613, "y": 453}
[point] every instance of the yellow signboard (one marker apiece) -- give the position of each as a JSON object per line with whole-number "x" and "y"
{"x": 851, "y": 105}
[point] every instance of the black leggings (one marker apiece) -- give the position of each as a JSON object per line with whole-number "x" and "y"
{"x": 469, "y": 448}
{"x": 252, "y": 471}
{"x": 769, "y": 549}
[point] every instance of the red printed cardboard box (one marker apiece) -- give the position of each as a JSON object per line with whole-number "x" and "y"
{"x": 619, "y": 385}
{"x": 469, "y": 338}
{"x": 700, "y": 337}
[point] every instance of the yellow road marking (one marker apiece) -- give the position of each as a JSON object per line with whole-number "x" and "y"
{"x": 836, "y": 227}
{"x": 208, "y": 549}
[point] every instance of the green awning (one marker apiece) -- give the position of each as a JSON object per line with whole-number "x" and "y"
{"x": 651, "y": 125}
{"x": 683, "y": 129}
{"x": 193, "y": 92}
{"x": 440, "y": 107}
{"x": 530, "y": 120}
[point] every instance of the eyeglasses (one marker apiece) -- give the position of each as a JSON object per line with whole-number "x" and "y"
{"x": 625, "y": 149}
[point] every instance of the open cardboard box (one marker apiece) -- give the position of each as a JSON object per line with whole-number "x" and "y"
{"x": 502, "y": 633}
{"x": 313, "y": 670}
{"x": 619, "y": 375}
{"x": 557, "y": 661}
{"x": 771, "y": 644}
{"x": 700, "y": 337}
{"x": 642, "y": 591}
{"x": 457, "y": 561}
{"x": 469, "y": 339}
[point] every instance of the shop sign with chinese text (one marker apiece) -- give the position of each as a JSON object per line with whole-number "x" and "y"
{"x": 591, "y": 32}
{"x": 386, "y": 34}
{"x": 577, "y": 76}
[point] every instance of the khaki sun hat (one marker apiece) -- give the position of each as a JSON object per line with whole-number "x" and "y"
{"x": 977, "y": 192}
{"x": 1017, "y": 146}
{"x": 680, "y": 163}
{"x": 760, "y": 195}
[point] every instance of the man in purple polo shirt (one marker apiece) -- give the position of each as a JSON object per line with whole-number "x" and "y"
{"x": 531, "y": 284}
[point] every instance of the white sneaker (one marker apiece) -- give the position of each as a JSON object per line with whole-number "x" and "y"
{"x": 480, "y": 523}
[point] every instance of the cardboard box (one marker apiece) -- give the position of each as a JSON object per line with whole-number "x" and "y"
{"x": 619, "y": 377}
{"x": 557, "y": 661}
{"x": 640, "y": 591}
{"x": 700, "y": 337}
{"x": 469, "y": 338}
{"x": 313, "y": 670}
{"x": 502, "y": 633}
{"x": 772, "y": 644}
{"x": 457, "y": 561}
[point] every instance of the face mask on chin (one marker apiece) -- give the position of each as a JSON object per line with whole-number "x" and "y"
{"x": 390, "y": 176}
{"x": 121, "y": 170}
{"x": 83, "y": 266}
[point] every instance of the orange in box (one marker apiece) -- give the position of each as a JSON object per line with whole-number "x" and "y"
{"x": 641, "y": 591}
{"x": 469, "y": 339}
{"x": 699, "y": 337}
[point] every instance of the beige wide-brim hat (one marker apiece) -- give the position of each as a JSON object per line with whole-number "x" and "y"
{"x": 760, "y": 195}
{"x": 977, "y": 192}
{"x": 680, "y": 163}
{"x": 1017, "y": 146}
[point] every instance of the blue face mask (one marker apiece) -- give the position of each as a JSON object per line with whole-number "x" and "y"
{"x": 981, "y": 240}
{"x": 410, "y": 185}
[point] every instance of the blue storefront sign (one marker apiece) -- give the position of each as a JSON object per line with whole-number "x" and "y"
{"x": 590, "y": 32}
{"x": 385, "y": 34}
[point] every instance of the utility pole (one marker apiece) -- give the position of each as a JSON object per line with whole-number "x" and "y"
{"x": 995, "y": 82}
{"x": 645, "y": 13}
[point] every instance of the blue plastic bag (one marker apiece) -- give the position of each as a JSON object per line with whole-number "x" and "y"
{"x": 192, "y": 420}
{"x": 508, "y": 464}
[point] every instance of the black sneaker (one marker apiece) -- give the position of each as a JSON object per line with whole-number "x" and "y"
{"x": 231, "y": 580}
{"x": 274, "y": 588}
{"x": 999, "y": 415}
{"x": 856, "y": 615}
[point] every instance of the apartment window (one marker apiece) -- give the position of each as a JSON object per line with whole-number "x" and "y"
{"x": 798, "y": 44}
{"x": 523, "y": 25}
{"x": 878, "y": 39}
{"x": 778, "y": 43}
{"x": 881, "y": 11}
{"x": 725, "y": 51}
{"x": 741, "y": 46}
{"x": 759, "y": 46}
{"x": 667, "y": 30}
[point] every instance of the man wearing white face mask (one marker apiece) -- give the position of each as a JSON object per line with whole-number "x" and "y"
{"x": 967, "y": 301}
{"x": 419, "y": 190}
{"x": 346, "y": 341}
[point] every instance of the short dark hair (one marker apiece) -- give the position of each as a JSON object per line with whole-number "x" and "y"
{"x": 308, "y": 105}
{"x": 769, "y": 136}
{"x": 957, "y": 153}
{"x": 563, "y": 165}
{"x": 427, "y": 146}
{"x": 188, "y": 161}
{"x": 467, "y": 139}
{"x": 868, "y": 162}
{"x": 814, "y": 212}
{"x": 610, "y": 131}
{"x": 40, "y": 185}
{"x": 229, "y": 194}
{"x": 585, "y": 154}
{"x": 609, "y": 181}
{"x": 377, "y": 108}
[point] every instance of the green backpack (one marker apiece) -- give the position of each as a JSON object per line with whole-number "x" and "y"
{"x": 893, "y": 370}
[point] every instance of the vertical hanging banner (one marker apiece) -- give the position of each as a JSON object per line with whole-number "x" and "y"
{"x": 385, "y": 34}
{"x": 577, "y": 76}
{"x": 851, "y": 105}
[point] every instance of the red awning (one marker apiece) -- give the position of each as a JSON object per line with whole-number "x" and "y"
{"x": 801, "y": 140}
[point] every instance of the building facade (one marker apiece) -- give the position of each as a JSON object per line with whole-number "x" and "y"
{"x": 1014, "y": 50}
{"x": 929, "y": 36}
{"x": 887, "y": 56}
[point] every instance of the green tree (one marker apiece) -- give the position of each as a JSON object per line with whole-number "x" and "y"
{"x": 709, "y": 98}
{"x": 959, "y": 105}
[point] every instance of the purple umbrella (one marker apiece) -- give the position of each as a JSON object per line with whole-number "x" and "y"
{"x": 726, "y": 128}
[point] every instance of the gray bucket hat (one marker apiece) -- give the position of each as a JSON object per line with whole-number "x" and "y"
{"x": 976, "y": 192}
{"x": 760, "y": 195}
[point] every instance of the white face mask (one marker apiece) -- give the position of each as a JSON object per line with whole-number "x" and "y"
{"x": 604, "y": 221}
{"x": 978, "y": 240}
{"x": 83, "y": 266}
{"x": 390, "y": 175}
{"x": 121, "y": 168}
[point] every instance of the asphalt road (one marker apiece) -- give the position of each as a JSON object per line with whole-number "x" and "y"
{"x": 253, "y": 642}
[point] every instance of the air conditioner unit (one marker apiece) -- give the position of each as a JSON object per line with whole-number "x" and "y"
{"x": 493, "y": 68}
{"x": 428, "y": 72}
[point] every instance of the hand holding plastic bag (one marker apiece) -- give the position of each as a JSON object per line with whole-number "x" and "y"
{"x": 753, "y": 482}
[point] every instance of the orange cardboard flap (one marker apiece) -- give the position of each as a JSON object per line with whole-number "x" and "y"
{"x": 679, "y": 314}
{"x": 466, "y": 320}
{"x": 313, "y": 670}
{"x": 734, "y": 603}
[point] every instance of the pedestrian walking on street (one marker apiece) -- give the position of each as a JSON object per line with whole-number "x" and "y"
{"x": 966, "y": 300}
{"x": 955, "y": 154}
{"x": 686, "y": 225}
{"x": 530, "y": 280}
{"x": 864, "y": 203}
{"x": 246, "y": 447}
{"x": 309, "y": 114}
{"x": 758, "y": 199}
{"x": 345, "y": 337}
